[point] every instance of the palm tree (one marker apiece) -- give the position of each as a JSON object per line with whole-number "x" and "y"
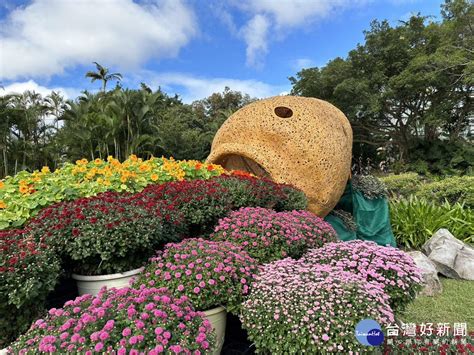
{"x": 103, "y": 75}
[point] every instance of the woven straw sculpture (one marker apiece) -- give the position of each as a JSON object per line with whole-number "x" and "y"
{"x": 300, "y": 141}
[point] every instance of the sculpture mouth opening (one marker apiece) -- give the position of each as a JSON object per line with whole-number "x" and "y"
{"x": 243, "y": 163}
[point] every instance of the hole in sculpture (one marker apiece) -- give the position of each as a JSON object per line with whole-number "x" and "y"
{"x": 283, "y": 112}
{"x": 239, "y": 162}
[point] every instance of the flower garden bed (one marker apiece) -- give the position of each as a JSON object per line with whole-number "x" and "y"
{"x": 217, "y": 241}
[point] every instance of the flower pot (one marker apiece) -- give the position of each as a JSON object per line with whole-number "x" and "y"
{"x": 218, "y": 318}
{"x": 93, "y": 284}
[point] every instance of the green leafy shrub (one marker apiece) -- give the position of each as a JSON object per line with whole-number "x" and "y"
{"x": 452, "y": 189}
{"x": 28, "y": 272}
{"x": 108, "y": 233}
{"x": 402, "y": 185}
{"x": 415, "y": 220}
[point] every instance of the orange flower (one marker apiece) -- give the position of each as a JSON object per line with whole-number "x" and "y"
{"x": 123, "y": 179}
{"x": 24, "y": 189}
{"x": 154, "y": 177}
{"x": 198, "y": 166}
{"x": 210, "y": 168}
{"x": 2, "y": 204}
{"x": 133, "y": 157}
{"x": 98, "y": 161}
{"x": 2, "y": 184}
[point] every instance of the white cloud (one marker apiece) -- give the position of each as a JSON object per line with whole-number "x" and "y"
{"x": 48, "y": 36}
{"x": 31, "y": 85}
{"x": 255, "y": 35}
{"x": 280, "y": 17}
{"x": 195, "y": 88}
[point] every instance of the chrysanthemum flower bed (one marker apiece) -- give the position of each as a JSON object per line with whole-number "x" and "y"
{"x": 125, "y": 321}
{"x": 210, "y": 274}
{"x": 389, "y": 266}
{"x": 28, "y": 272}
{"x": 268, "y": 235}
{"x": 297, "y": 308}
{"x": 24, "y": 194}
{"x": 108, "y": 233}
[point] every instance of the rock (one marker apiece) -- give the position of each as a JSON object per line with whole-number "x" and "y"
{"x": 451, "y": 257}
{"x": 431, "y": 284}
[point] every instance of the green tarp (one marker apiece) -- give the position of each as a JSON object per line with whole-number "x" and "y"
{"x": 372, "y": 217}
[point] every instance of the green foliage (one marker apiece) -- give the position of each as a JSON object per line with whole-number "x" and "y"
{"x": 402, "y": 185}
{"x": 452, "y": 189}
{"x": 406, "y": 90}
{"x": 118, "y": 123}
{"x": 370, "y": 186}
{"x": 415, "y": 220}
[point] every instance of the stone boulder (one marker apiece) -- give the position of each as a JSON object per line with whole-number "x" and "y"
{"x": 431, "y": 284}
{"x": 451, "y": 257}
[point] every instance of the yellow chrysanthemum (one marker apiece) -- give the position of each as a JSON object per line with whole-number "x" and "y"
{"x": 133, "y": 157}
{"x": 123, "y": 179}
{"x": 100, "y": 181}
{"x": 98, "y": 161}
{"x": 154, "y": 177}
{"x": 107, "y": 183}
{"x": 45, "y": 170}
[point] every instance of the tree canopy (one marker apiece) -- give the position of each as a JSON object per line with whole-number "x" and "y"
{"x": 407, "y": 90}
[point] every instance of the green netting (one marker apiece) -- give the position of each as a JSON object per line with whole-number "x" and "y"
{"x": 372, "y": 217}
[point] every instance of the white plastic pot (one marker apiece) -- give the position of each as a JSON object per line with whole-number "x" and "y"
{"x": 93, "y": 284}
{"x": 218, "y": 318}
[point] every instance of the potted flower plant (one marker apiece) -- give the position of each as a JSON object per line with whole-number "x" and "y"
{"x": 215, "y": 276}
{"x": 391, "y": 267}
{"x": 297, "y": 308}
{"x": 28, "y": 272}
{"x": 268, "y": 235}
{"x": 125, "y": 321}
{"x": 104, "y": 240}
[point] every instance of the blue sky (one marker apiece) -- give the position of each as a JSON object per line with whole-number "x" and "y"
{"x": 191, "y": 48}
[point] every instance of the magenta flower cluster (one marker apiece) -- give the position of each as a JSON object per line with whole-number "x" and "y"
{"x": 391, "y": 267}
{"x": 209, "y": 273}
{"x": 295, "y": 307}
{"x": 268, "y": 235}
{"x": 125, "y": 321}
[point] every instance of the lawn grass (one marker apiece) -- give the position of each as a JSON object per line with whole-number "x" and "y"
{"x": 454, "y": 305}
